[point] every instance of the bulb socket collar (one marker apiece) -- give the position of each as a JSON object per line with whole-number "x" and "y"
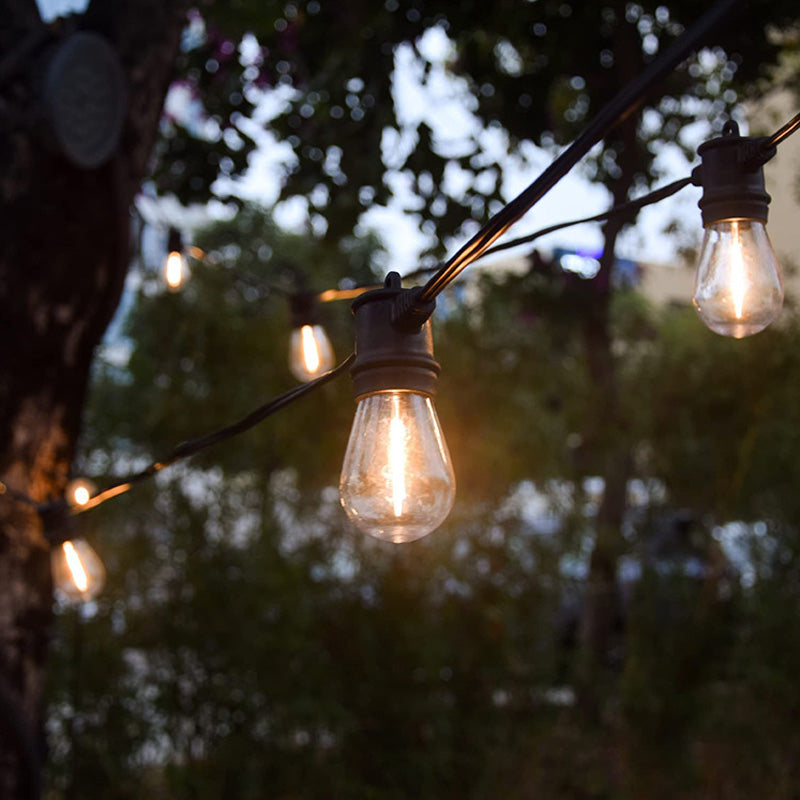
{"x": 304, "y": 309}
{"x": 58, "y": 524}
{"x": 174, "y": 241}
{"x": 732, "y": 177}
{"x": 392, "y": 353}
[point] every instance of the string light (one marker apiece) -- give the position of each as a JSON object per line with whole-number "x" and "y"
{"x": 79, "y": 492}
{"x": 175, "y": 263}
{"x": 77, "y": 570}
{"x": 397, "y": 481}
{"x": 407, "y": 379}
{"x": 310, "y": 350}
{"x": 738, "y": 287}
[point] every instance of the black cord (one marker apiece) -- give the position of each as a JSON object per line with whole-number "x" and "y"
{"x": 623, "y": 208}
{"x": 193, "y": 446}
{"x": 17, "y": 495}
{"x": 621, "y": 106}
{"x": 784, "y": 131}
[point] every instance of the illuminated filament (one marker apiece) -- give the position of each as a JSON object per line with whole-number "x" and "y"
{"x": 75, "y": 566}
{"x": 738, "y": 280}
{"x": 311, "y": 355}
{"x": 397, "y": 458}
{"x": 173, "y": 269}
{"x": 81, "y": 496}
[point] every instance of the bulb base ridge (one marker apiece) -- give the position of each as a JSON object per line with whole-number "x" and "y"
{"x": 394, "y": 342}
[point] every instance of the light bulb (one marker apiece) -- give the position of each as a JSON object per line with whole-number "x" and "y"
{"x": 79, "y": 492}
{"x": 397, "y": 480}
{"x": 77, "y": 570}
{"x": 174, "y": 270}
{"x": 310, "y": 352}
{"x": 738, "y": 289}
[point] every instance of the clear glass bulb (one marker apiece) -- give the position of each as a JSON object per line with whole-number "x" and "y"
{"x": 174, "y": 270}
{"x": 310, "y": 352}
{"x": 77, "y": 570}
{"x": 397, "y": 479}
{"x": 738, "y": 290}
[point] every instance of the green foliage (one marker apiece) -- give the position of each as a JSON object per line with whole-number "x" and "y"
{"x": 537, "y": 71}
{"x": 249, "y": 643}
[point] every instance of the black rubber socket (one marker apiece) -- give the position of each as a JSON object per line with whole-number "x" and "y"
{"x": 391, "y": 356}
{"x": 732, "y": 178}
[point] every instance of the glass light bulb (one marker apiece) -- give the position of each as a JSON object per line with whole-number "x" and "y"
{"x": 738, "y": 290}
{"x": 79, "y": 492}
{"x": 397, "y": 479}
{"x": 77, "y": 570}
{"x": 310, "y": 352}
{"x": 174, "y": 270}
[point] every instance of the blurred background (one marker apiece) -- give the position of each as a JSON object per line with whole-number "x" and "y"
{"x": 612, "y": 608}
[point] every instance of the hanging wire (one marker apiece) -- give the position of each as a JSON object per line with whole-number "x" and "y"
{"x": 628, "y": 207}
{"x": 193, "y": 446}
{"x": 784, "y": 131}
{"x": 621, "y": 106}
{"x": 17, "y": 495}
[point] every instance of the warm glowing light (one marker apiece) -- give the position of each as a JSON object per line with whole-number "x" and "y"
{"x": 310, "y": 352}
{"x": 311, "y": 359}
{"x": 397, "y": 457}
{"x": 397, "y": 480}
{"x": 79, "y": 492}
{"x": 81, "y": 496}
{"x": 76, "y": 569}
{"x": 174, "y": 269}
{"x": 738, "y": 289}
{"x": 738, "y": 280}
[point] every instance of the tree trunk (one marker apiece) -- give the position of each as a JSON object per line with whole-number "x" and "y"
{"x": 63, "y": 259}
{"x": 601, "y": 609}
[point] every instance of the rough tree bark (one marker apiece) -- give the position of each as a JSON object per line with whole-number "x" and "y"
{"x": 63, "y": 258}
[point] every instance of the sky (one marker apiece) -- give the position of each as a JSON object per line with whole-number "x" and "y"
{"x": 441, "y": 102}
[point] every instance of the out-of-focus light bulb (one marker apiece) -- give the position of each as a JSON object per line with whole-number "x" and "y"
{"x": 397, "y": 480}
{"x": 79, "y": 492}
{"x": 174, "y": 270}
{"x": 77, "y": 570}
{"x": 310, "y": 352}
{"x": 738, "y": 288}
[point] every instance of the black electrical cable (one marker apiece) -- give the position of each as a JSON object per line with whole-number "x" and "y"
{"x": 784, "y": 131}
{"x": 628, "y": 207}
{"x": 17, "y": 495}
{"x": 621, "y": 106}
{"x": 623, "y": 208}
{"x": 193, "y": 446}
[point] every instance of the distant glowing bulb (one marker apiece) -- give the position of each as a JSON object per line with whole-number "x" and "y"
{"x": 738, "y": 289}
{"x": 77, "y": 570}
{"x": 174, "y": 270}
{"x": 397, "y": 480}
{"x": 75, "y": 567}
{"x": 79, "y": 492}
{"x": 310, "y": 352}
